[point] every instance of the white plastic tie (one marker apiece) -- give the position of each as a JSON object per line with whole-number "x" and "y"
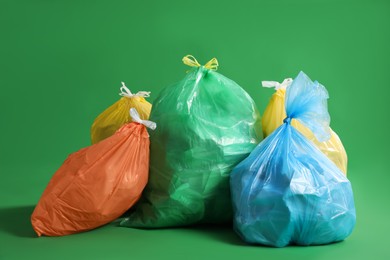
{"x": 125, "y": 92}
{"x": 277, "y": 85}
{"x": 136, "y": 118}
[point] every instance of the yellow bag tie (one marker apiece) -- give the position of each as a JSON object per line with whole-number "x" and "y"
{"x": 190, "y": 60}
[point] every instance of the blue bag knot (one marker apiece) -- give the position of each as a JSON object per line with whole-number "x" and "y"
{"x": 287, "y": 120}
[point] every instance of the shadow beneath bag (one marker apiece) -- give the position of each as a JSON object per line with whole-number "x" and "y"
{"x": 16, "y": 221}
{"x": 223, "y": 233}
{"x": 227, "y": 235}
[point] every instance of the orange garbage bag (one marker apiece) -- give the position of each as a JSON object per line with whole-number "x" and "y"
{"x": 96, "y": 184}
{"x": 275, "y": 113}
{"x": 117, "y": 114}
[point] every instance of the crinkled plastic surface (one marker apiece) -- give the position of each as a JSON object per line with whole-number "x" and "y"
{"x": 95, "y": 185}
{"x": 207, "y": 124}
{"x": 287, "y": 191}
{"x": 115, "y": 116}
{"x": 273, "y": 117}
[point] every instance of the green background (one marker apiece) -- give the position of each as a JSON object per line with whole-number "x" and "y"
{"x": 61, "y": 63}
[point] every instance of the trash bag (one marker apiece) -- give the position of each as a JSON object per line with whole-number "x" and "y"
{"x": 287, "y": 191}
{"x": 275, "y": 113}
{"x": 117, "y": 114}
{"x": 201, "y": 137}
{"x": 96, "y": 184}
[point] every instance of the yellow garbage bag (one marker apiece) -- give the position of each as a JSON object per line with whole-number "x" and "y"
{"x": 275, "y": 113}
{"x": 108, "y": 122}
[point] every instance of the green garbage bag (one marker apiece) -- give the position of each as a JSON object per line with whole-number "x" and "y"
{"x": 207, "y": 125}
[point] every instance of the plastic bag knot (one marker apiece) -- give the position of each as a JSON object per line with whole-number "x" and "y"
{"x": 136, "y": 118}
{"x": 277, "y": 85}
{"x": 190, "y": 60}
{"x": 125, "y": 92}
{"x": 287, "y": 120}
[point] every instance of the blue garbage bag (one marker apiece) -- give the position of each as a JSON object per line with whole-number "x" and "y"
{"x": 287, "y": 191}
